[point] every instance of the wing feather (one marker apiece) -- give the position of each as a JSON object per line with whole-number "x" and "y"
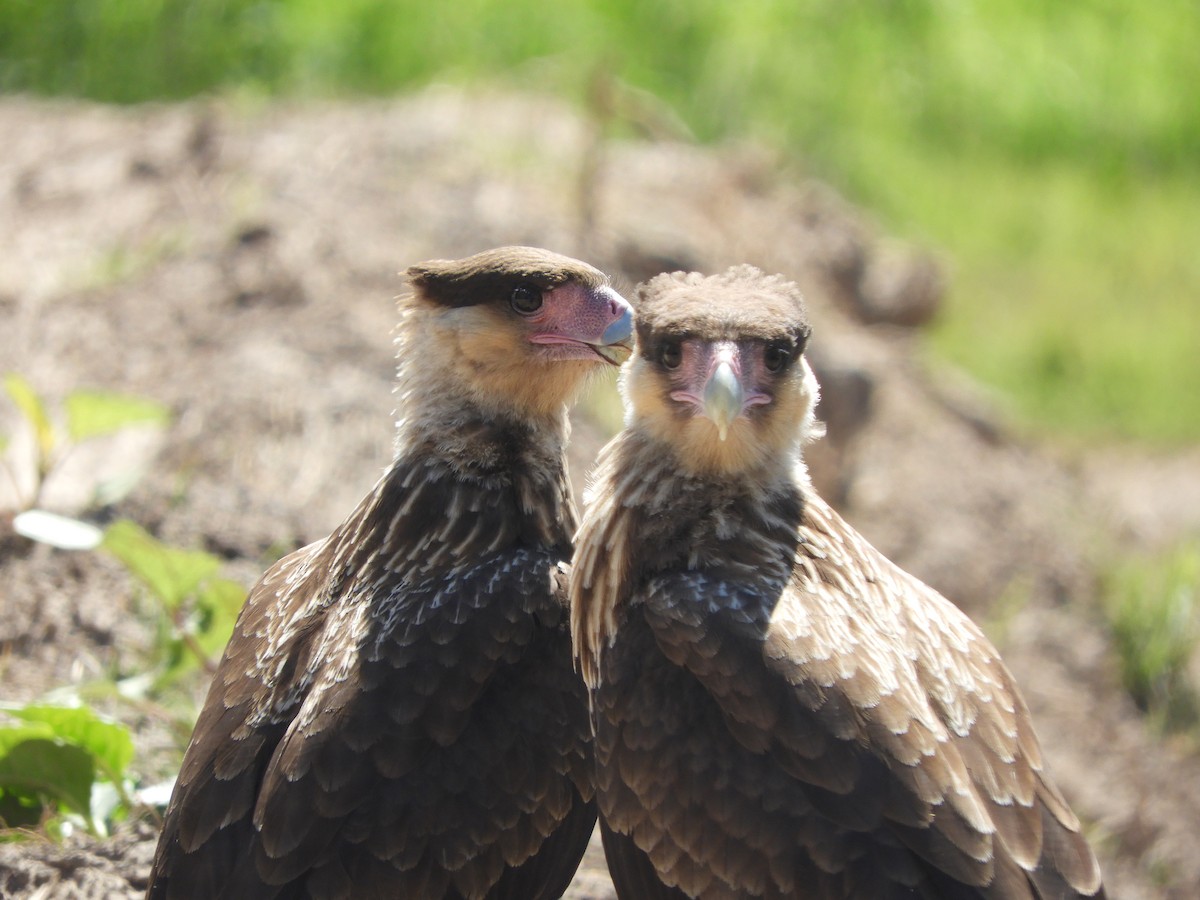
{"x": 885, "y": 701}
{"x": 377, "y": 700}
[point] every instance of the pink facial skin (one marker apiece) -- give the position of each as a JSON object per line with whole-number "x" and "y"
{"x": 577, "y": 322}
{"x": 721, "y": 380}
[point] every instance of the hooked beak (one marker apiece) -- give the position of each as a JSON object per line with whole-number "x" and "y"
{"x": 616, "y": 342}
{"x": 583, "y": 323}
{"x": 724, "y": 397}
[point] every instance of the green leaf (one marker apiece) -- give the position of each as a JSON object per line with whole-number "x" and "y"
{"x": 48, "y": 768}
{"x": 109, "y": 742}
{"x": 95, "y": 413}
{"x": 219, "y": 604}
{"x": 11, "y": 735}
{"x": 209, "y": 628}
{"x": 178, "y": 660}
{"x": 34, "y": 411}
{"x": 216, "y": 611}
{"x": 169, "y": 573}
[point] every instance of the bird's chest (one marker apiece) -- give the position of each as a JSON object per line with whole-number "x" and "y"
{"x": 656, "y": 722}
{"x": 726, "y": 539}
{"x": 418, "y": 659}
{"x": 436, "y": 647}
{"x": 493, "y": 605}
{"x": 671, "y": 772}
{"x": 455, "y": 712}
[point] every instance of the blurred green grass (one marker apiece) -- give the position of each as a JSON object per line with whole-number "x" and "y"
{"x": 1050, "y": 151}
{"x": 1153, "y": 608}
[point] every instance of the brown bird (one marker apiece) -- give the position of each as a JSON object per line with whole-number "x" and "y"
{"x": 397, "y": 714}
{"x": 779, "y": 711}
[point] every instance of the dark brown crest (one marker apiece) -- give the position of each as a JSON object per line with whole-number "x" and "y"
{"x": 492, "y": 274}
{"x": 740, "y": 303}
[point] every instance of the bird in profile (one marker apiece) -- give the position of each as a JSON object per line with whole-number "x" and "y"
{"x": 397, "y": 714}
{"x": 779, "y": 711}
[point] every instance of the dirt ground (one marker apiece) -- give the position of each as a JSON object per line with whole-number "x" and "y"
{"x": 239, "y": 265}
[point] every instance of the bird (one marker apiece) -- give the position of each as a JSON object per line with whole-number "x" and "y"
{"x": 397, "y": 714}
{"x": 778, "y": 710}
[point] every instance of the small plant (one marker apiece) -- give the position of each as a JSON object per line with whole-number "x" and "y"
{"x": 65, "y": 766}
{"x": 62, "y": 765}
{"x": 195, "y": 609}
{"x": 1154, "y": 612}
{"x": 87, "y": 414}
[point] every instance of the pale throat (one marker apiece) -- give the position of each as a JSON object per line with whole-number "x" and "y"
{"x": 433, "y": 397}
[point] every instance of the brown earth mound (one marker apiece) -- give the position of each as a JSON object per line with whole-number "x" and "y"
{"x": 239, "y": 266}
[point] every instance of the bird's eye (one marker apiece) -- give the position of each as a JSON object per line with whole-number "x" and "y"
{"x": 670, "y": 354}
{"x": 776, "y": 356}
{"x": 525, "y": 299}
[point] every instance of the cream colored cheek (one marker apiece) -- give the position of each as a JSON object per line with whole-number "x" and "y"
{"x": 490, "y": 348}
{"x": 640, "y": 392}
{"x": 796, "y": 405}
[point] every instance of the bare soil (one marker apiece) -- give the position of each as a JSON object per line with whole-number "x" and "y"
{"x": 240, "y": 264}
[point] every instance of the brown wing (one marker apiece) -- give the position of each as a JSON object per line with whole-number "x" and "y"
{"x": 208, "y": 825}
{"x": 715, "y": 817}
{"x": 890, "y": 708}
{"x": 633, "y": 873}
{"x": 548, "y": 873}
{"x": 369, "y": 731}
{"x": 441, "y": 766}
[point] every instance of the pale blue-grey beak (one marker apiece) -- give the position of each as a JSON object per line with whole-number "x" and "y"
{"x": 616, "y": 341}
{"x": 723, "y": 398}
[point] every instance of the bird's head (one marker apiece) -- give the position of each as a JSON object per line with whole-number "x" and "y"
{"x": 718, "y": 371}
{"x": 515, "y": 328}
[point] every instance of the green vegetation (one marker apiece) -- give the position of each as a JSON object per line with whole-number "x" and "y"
{"x": 1153, "y": 607}
{"x": 1050, "y": 150}
{"x": 65, "y": 764}
{"x": 192, "y": 608}
{"x": 62, "y": 763}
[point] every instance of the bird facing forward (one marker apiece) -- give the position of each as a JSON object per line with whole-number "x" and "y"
{"x": 779, "y": 711}
{"x": 397, "y": 714}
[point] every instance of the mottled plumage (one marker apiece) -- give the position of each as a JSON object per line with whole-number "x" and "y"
{"x": 779, "y": 711}
{"x": 396, "y": 715}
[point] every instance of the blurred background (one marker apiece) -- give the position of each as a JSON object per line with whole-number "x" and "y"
{"x": 993, "y": 208}
{"x": 1049, "y": 152}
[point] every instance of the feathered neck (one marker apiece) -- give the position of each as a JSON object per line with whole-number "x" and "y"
{"x": 438, "y": 416}
{"x": 443, "y": 428}
{"x": 464, "y": 482}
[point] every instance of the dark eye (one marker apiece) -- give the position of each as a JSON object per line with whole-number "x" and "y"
{"x": 670, "y": 354}
{"x": 776, "y": 356}
{"x": 525, "y": 299}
